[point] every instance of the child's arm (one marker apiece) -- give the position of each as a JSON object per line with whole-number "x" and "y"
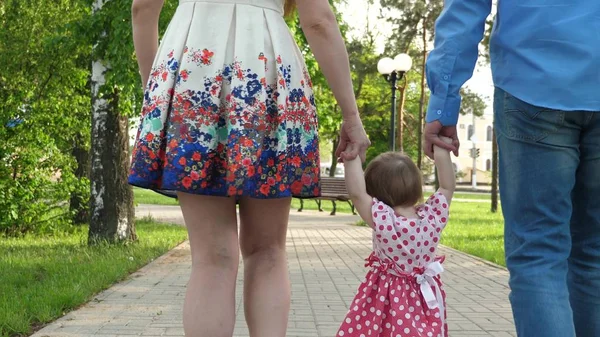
{"x": 445, "y": 170}
{"x": 355, "y": 184}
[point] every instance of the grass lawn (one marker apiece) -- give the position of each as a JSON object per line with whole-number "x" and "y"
{"x": 473, "y": 229}
{"x": 473, "y": 196}
{"x": 44, "y": 277}
{"x": 144, "y": 196}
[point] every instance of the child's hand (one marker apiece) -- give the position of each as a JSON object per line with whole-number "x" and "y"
{"x": 446, "y": 140}
{"x": 344, "y": 157}
{"x": 439, "y": 149}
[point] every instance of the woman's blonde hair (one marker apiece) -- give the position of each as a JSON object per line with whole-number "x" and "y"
{"x": 289, "y": 7}
{"x": 393, "y": 178}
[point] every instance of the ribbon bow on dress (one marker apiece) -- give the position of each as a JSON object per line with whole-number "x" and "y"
{"x": 426, "y": 281}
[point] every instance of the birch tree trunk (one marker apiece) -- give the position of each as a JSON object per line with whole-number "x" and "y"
{"x": 111, "y": 199}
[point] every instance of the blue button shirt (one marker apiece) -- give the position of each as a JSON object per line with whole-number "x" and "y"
{"x": 544, "y": 52}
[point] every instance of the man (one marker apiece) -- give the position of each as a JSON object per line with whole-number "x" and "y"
{"x": 545, "y": 57}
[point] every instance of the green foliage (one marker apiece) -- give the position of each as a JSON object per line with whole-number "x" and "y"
{"x": 487, "y": 34}
{"x": 110, "y": 30}
{"x": 471, "y": 102}
{"x": 413, "y": 20}
{"x": 43, "y": 87}
{"x": 408, "y": 17}
{"x": 46, "y": 51}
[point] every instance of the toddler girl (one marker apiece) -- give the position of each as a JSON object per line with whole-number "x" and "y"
{"x": 402, "y": 294}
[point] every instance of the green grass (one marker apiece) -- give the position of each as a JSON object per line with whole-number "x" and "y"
{"x": 473, "y": 196}
{"x": 144, "y": 196}
{"x": 473, "y": 229}
{"x": 42, "y": 277}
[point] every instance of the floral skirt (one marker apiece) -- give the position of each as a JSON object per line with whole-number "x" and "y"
{"x": 229, "y": 107}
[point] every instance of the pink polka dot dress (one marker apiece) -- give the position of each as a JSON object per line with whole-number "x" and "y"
{"x": 402, "y": 294}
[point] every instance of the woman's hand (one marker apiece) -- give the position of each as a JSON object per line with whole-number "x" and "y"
{"x": 353, "y": 140}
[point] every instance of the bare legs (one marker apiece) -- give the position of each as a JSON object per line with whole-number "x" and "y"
{"x": 266, "y": 283}
{"x": 209, "y": 309}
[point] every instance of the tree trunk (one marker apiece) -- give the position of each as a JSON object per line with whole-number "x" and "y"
{"x": 79, "y": 204}
{"x": 494, "y": 172}
{"x": 422, "y": 100}
{"x": 334, "y": 162}
{"x": 111, "y": 199}
{"x": 436, "y": 181}
{"x": 400, "y": 122}
{"x": 336, "y": 140}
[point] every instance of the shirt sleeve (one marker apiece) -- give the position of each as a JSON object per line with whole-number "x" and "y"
{"x": 458, "y": 31}
{"x": 438, "y": 209}
{"x": 382, "y": 216}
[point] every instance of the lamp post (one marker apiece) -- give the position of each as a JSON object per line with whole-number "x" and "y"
{"x": 474, "y": 154}
{"x": 393, "y": 70}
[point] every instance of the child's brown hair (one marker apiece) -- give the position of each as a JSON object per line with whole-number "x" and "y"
{"x": 393, "y": 178}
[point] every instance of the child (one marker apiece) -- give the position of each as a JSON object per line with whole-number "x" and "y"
{"x": 402, "y": 294}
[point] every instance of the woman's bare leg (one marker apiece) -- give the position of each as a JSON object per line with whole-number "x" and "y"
{"x": 266, "y": 281}
{"x": 209, "y": 308}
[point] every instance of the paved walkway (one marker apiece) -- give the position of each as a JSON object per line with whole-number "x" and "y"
{"x": 325, "y": 256}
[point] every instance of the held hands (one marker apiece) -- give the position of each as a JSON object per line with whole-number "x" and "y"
{"x": 446, "y": 140}
{"x": 433, "y": 134}
{"x": 353, "y": 140}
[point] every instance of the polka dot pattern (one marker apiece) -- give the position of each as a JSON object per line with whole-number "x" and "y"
{"x": 389, "y": 301}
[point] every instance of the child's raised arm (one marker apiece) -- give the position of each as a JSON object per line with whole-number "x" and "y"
{"x": 355, "y": 184}
{"x": 445, "y": 170}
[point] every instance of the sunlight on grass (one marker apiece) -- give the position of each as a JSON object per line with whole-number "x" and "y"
{"x": 144, "y": 196}
{"x": 43, "y": 277}
{"x": 475, "y": 230}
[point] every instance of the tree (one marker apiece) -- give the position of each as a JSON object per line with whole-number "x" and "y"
{"x": 486, "y": 55}
{"x": 471, "y": 103}
{"x": 494, "y": 207}
{"x": 412, "y": 18}
{"x": 115, "y": 86}
{"x": 44, "y": 95}
{"x": 413, "y": 24}
{"x": 112, "y": 211}
{"x": 400, "y": 121}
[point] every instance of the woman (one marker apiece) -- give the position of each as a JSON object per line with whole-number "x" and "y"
{"x": 228, "y": 118}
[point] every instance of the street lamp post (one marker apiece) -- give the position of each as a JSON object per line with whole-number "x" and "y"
{"x": 393, "y": 70}
{"x": 474, "y": 155}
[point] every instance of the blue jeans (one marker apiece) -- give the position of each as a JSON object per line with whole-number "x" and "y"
{"x": 550, "y": 190}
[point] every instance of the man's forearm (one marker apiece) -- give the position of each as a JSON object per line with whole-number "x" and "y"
{"x": 458, "y": 31}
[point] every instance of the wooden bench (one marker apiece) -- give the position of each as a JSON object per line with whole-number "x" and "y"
{"x": 333, "y": 189}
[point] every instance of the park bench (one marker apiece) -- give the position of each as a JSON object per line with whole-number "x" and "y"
{"x": 333, "y": 189}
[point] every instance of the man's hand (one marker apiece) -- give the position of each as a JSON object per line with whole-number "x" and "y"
{"x": 432, "y": 134}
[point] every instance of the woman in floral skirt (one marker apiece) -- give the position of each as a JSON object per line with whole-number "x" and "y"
{"x": 229, "y": 117}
